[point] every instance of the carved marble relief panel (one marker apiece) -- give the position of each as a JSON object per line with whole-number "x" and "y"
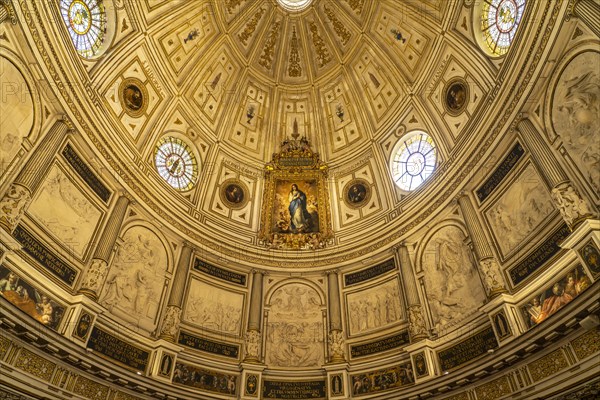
{"x": 16, "y": 112}
{"x": 452, "y": 284}
{"x": 213, "y": 307}
{"x": 135, "y": 284}
{"x": 295, "y": 327}
{"x": 65, "y": 212}
{"x": 376, "y": 307}
{"x": 576, "y": 114}
{"x": 520, "y": 210}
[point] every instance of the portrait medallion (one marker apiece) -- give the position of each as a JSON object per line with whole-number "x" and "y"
{"x": 133, "y": 96}
{"x": 456, "y": 96}
{"x": 357, "y": 193}
{"x": 234, "y": 194}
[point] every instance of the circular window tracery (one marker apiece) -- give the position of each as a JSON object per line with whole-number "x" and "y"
{"x": 294, "y": 5}
{"x": 499, "y": 22}
{"x": 86, "y": 23}
{"x": 413, "y": 160}
{"x": 176, "y": 163}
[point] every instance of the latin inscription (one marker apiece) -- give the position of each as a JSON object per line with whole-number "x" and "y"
{"x": 118, "y": 350}
{"x": 388, "y": 343}
{"x": 540, "y": 256}
{"x": 467, "y": 350}
{"x": 294, "y": 390}
{"x": 219, "y": 273}
{"x": 209, "y": 346}
{"x": 44, "y": 256}
{"x": 85, "y": 173}
{"x": 369, "y": 273}
{"x": 500, "y": 173}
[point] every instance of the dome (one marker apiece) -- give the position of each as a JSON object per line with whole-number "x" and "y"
{"x": 290, "y": 199}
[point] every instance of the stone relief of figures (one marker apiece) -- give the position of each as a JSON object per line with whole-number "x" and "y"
{"x": 295, "y": 328}
{"x": 572, "y": 207}
{"x": 520, "y": 210}
{"x": 374, "y": 308}
{"x": 16, "y": 112}
{"x": 576, "y": 113}
{"x": 65, "y": 211}
{"x": 454, "y": 289}
{"x": 134, "y": 285}
{"x": 211, "y": 307}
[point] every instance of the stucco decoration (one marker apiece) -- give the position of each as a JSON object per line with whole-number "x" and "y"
{"x": 520, "y": 210}
{"x": 295, "y": 328}
{"x": 134, "y": 286}
{"x": 65, "y": 211}
{"x": 16, "y": 112}
{"x": 211, "y": 307}
{"x": 453, "y": 286}
{"x": 576, "y": 113}
{"x": 374, "y": 308}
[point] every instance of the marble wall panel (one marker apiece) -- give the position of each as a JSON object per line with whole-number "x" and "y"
{"x": 62, "y": 208}
{"x": 520, "y": 210}
{"x": 214, "y": 308}
{"x": 452, "y": 282}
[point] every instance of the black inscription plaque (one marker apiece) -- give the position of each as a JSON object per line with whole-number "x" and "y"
{"x": 294, "y": 390}
{"x": 540, "y": 256}
{"x": 467, "y": 350}
{"x": 118, "y": 350}
{"x": 220, "y": 273}
{"x": 86, "y": 173}
{"x": 369, "y": 273}
{"x": 391, "y": 342}
{"x": 45, "y": 257}
{"x": 209, "y": 346}
{"x": 500, "y": 173}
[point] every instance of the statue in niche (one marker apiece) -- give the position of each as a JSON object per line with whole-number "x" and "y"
{"x": 295, "y": 328}
{"x": 576, "y": 113}
{"x": 452, "y": 283}
{"x": 134, "y": 284}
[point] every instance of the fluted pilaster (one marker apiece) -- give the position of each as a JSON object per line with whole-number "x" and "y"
{"x": 416, "y": 320}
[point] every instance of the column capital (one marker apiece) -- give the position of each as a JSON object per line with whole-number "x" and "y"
{"x": 68, "y": 122}
{"x": 332, "y": 272}
{"x": 10, "y": 11}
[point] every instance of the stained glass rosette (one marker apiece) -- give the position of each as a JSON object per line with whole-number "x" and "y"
{"x": 499, "y": 22}
{"x": 176, "y": 164}
{"x": 86, "y": 23}
{"x": 413, "y": 161}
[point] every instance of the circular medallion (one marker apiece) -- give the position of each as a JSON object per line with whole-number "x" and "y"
{"x": 456, "y": 96}
{"x": 357, "y": 193}
{"x": 176, "y": 164}
{"x": 133, "y": 96}
{"x": 234, "y": 194}
{"x": 80, "y": 17}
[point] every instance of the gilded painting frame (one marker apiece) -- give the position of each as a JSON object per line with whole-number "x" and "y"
{"x": 295, "y": 209}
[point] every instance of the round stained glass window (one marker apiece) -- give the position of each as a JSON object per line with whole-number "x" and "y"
{"x": 294, "y": 5}
{"x": 176, "y": 164}
{"x": 86, "y": 23}
{"x": 499, "y": 22}
{"x": 413, "y": 160}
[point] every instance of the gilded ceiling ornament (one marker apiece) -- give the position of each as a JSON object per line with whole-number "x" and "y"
{"x": 295, "y": 69}
{"x": 251, "y": 26}
{"x": 356, "y": 5}
{"x": 266, "y": 59}
{"x": 323, "y": 56}
{"x": 338, "y": 26}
